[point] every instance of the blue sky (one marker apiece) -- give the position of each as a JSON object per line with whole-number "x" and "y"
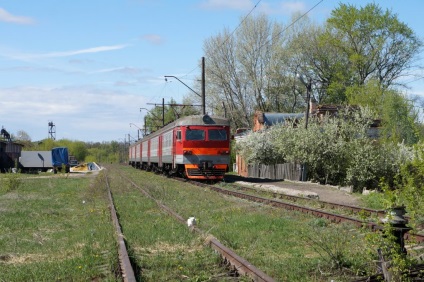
{"x": 89, "y": 66}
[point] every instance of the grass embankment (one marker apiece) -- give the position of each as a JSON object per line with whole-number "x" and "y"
{"x": 55, "y": 228}
{"x": 288, "y": 246}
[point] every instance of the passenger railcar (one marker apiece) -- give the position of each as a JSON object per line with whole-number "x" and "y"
{"x": 196, "y": 147}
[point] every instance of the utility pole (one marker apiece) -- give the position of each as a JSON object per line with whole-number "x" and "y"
{"x": 145, "y": 126}
{"x": 203, "y": 87}
{"x": 203, "y": 95}
{"x": 308, "y": 85}
{"x": 308, "y": 101}
{"x": 163, "y": 111}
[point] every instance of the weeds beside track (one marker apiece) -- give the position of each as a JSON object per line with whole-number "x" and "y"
{"x": 56, "y": 228}
{"x": 235, "y": 262}
{"x": 282, "y": 244}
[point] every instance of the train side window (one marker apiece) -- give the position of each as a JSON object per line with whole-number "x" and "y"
{"x": 179, "y": 135}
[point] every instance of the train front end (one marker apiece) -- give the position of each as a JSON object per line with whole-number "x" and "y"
{"x": 204, "y": 147}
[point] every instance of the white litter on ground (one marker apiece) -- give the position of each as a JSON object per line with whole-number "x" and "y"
{"x": 191, "y": 221}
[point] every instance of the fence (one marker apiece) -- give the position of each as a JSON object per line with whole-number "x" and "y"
{"x": 288, "y": 171}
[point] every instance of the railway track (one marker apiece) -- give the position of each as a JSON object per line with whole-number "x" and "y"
{"x": 236, "y": 263}
{"x": 127, "y": 271}
{"x": 338, "y": 218}
{"x": 322, "y": 204}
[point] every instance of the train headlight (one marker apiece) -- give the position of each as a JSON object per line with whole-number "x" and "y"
{"x": 187, "y": 152}
{"x": 224, "y": 152}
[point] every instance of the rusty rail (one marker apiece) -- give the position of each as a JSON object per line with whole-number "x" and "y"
{"x": 127, "y": 271}
{"x": 239, "y": 264}
{"x": 318, "y": 213}
{"x": 354, "y": 209}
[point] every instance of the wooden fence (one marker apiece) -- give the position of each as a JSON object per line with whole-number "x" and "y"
{"x": 288, "y": 171}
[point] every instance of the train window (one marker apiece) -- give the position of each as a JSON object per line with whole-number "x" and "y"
{"x": 179, "y": 135}
{"x": 217, "y": 134}
{"x": 195, "y": 134}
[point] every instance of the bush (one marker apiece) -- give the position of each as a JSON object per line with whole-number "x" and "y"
{"x": 11, "y": 182}
{"x": 408, "y": 188}
{"x": 336, "y": 150}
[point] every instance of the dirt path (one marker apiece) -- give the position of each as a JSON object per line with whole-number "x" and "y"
{"x": 325, "y": 192}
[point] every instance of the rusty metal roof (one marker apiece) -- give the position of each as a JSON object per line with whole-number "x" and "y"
{"x": 275, "y": 118}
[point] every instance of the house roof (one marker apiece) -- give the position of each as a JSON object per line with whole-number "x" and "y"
{"x": 270, "y": 119}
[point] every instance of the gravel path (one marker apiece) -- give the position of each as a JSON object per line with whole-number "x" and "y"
{"x": 325, "y": 192}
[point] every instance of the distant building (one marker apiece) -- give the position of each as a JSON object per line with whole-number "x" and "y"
{"x": 263, "y": 120}
{"x": 9, "y": 155}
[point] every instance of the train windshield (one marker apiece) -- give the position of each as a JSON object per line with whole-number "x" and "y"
{"x": 195, "y": 134}
{"x": 217, "y": 134}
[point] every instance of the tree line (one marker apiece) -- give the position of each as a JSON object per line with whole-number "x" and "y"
{"x": 358, "y": 56}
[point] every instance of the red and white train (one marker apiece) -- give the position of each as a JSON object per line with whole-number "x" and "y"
{"x": 196, "y": 147}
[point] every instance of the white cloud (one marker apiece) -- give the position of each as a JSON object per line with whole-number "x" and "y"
{"x": 5, "y": 16}
{"x": 82, "y": 51}
{"x": 90, "y": 113}
{"x": 28, "y": 57}
{"x": 282, "y": 8}
{"x": 293, "y": 7}
{"x": 225, "y": 4}
{"x": 122, "y": 70}
{"x": 153, "y": 38}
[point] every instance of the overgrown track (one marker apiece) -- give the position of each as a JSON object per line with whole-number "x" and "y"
{"x": 329, "y": 205}
{"x": 127, "y": 271}
{"x": 236, "y": 263}
{"x": 289, "y": 206}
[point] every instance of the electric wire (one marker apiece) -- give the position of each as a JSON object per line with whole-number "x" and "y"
{"x": 266, "y": 42}
{"x": 244, "y": 19}
{"x": 231, "y": 34}
{"x": 290, "y": 25}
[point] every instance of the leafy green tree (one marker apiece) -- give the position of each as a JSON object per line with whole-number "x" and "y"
{"x": 251, "y": 70}
{"x": 86, "y": 151}
{"x": 354, "y": 46}
{"x": 399, "y": 118}
{"x": 45, "y": 145}
{"x": 313, "y": 56}
{"x": 374, "y": 42}
{"x": 79, "y": 150}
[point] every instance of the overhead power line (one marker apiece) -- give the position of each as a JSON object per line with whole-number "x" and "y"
{"x": 291, "y": 24}
{"x": 244, "y": 19}
{"x": 266, "y": 42}
{"x": 231, "y": 34}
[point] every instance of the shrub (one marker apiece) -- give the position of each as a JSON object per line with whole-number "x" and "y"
{"x": 336, "y": 150}
{"x": 11, "y": 182}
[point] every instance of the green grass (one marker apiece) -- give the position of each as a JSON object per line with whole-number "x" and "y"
{"x": 58, "y": 229}
{"x": 55, "y": 229}
{"x": 285, "y": 245}
{"x": 374, "y": 201}
{"x": 161, "y": 247}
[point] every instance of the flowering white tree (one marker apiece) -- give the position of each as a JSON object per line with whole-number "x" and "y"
{"x": 336, "y": 150}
